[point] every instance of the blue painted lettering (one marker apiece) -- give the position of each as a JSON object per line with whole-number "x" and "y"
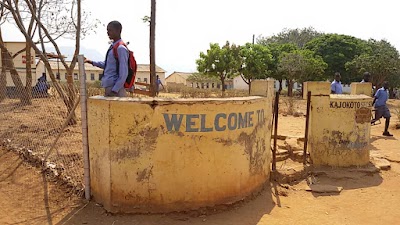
{"x": 203, "y": 127}
{"x": 173, "y": 123}
{"x": 232, "y": 121}
{"x": 243, "y": 120}
{"x": 250, "y": 118}
{"x": 217, "y": 124}
{"x": 190, "y": 123}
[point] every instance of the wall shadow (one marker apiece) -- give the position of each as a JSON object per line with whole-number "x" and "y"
{"x": 247, "y": 212}
{"x": 348, "y": 178}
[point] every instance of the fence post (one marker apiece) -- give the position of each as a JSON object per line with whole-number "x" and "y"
{"x": 306, "y": 131}
{"x": 276, "y": 112}
{"x": 86, "y": 166}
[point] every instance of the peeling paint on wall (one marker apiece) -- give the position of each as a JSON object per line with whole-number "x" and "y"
{"x": 217, "y": 149}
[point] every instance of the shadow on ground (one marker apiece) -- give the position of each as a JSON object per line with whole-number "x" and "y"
{"x": 248, "y": 212}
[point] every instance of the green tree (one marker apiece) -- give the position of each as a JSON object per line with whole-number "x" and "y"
{"x": 298, "y": 37}
{"x": 336, "y": 50}
{"x": 43, "y": 22}
{"x": 301, "y": 65}
{"x": 381, "y": 60}
{"x": 255, "y": 60}
{"x": 276, "y": 51}
{"x": 222, "y": 62}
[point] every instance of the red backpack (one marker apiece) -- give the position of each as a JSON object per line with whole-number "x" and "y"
{"x": 132, "y": 66}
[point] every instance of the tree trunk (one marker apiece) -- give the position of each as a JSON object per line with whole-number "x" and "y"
{"x": 3, "y": 79}
{"x": 153, "y": 81}
{"x": 28, "y": 84}
{"x": 290, "y": 88}
{"x": 391, "y": 93}
{"x": 9, "y": 64}
{"x": 223, "y": 84}
{"x": 280, "y": 85}
{"x": 70, "y": 96}
{"x": 250, "y": 86}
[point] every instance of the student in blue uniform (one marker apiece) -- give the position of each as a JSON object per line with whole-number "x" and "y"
{"x": 381, "y": 109}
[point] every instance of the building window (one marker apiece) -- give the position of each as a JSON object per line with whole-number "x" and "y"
{"x": 58, "y": 76}
{"x": 212, "y": 85}
{"x": 92, "y": 76}
{"x": 219, "y": 86}
{"x": 75, "y": 76}
{"x": 145, "y": 80}
{"x": 208, "y": 85}
{"x": 139, "y": 80}
{"x": 100, "y": 76}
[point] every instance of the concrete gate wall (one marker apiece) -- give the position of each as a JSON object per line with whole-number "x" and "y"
{"x": 339, "y": 133}
{"x": 167, "y": 155}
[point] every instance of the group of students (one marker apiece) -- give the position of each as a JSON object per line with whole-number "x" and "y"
{"x": 379, "y": 102}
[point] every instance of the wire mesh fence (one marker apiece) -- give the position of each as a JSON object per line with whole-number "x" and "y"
{"x": 31, "y": 129}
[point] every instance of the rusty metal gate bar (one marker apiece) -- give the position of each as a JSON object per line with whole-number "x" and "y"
{"x": 276, "y": 110}
{"x": 306, "y": 131}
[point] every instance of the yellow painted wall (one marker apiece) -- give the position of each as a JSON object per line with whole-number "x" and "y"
{"x": 176, "y": 78}
{"x": 140, "y": 162}
{"x": 262, "y": 88}
{"x": 361, "y": 88}
{"x": 19, "y": 63}
{"x": 141, "y": 76}
{"x": 317, "y": 88}
{"x": 58, "y": 67}
{"x": 340, "y": 130}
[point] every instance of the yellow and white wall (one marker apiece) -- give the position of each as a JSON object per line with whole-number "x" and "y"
{"x": 20, "y": 63}
{"x": 339, "y": 133}
{"x": 173, "y": 155}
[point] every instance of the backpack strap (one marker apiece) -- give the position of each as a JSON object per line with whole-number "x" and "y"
{"x": 115, "y": 52}
{"x": 115, "y": 49}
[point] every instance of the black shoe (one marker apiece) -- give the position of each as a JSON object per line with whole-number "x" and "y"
{"x": 386, "y": 133}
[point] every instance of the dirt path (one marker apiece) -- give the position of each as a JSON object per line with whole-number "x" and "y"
{"x": 27, "y": 198}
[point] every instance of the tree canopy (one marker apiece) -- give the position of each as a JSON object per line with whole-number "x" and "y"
{"x": 301, "y": 65}
{"x": 304, "y": 55}
{"x": 381, "y": 60}
{"x": 336, "y": 50}
{"x": 298, "y": 37}
{"x": 255, "y": 60}
{"x": 222, "y": 62}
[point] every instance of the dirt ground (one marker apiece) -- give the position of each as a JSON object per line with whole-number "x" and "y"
{"x": 28, "y": 197}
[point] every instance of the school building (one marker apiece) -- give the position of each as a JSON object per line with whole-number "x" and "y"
{"x": 94, "y": 73}
{"x": 38, "y": 68}
{"x": 19, "y": 62}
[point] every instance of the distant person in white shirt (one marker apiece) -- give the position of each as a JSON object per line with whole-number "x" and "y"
{"x": 367, "y": 77}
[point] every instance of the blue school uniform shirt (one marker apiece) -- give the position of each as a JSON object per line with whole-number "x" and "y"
{"x": 337, "y": 87}
{"x": 381, "y": 97}
{"x": 112, "y": 77}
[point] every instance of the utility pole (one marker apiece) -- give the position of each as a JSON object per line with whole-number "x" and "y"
{"x": 153, "y": 81}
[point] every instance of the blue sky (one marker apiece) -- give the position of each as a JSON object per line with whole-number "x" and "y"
{"x": 185, "y": 28}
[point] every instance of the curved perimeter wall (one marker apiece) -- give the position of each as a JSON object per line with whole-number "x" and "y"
{"x": 167, "y": 155}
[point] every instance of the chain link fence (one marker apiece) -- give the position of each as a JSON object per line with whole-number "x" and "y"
{"x": 34, "y": 124}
